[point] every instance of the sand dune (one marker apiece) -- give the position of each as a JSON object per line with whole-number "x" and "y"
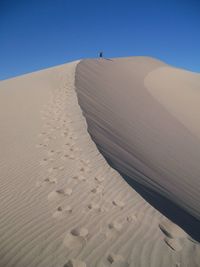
{"x": 178, "y": 91}
{"x": 61, "y": 204}
{"x": 143, "y": 116}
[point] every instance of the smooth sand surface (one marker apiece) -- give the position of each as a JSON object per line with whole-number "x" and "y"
{"x": 179, "y": 92}
{"x": 61, "y": 204}
{"x": 143, "y": 116}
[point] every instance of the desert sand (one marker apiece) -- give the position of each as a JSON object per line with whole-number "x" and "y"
{"x": 143, "y": 116}
{"x": 61, "y": 203}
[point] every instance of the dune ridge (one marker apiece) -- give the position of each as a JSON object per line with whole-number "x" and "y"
{"x": 61, "y": 204}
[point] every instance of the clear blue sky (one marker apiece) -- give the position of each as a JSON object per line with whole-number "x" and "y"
{"x": 35, "y": 34}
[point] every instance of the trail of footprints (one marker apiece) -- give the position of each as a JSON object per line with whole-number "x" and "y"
{"x": 58, "y": 141}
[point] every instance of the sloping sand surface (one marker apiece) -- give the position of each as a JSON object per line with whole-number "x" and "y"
{"x": 61, "y": 204}
{"x": 143, "y": 116}
{"x": 179, "y": 92}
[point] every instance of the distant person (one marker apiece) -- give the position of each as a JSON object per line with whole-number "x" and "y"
{"x": 101, "y": 54}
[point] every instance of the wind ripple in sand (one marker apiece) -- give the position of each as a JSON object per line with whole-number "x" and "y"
{"x": 50, "y": 233}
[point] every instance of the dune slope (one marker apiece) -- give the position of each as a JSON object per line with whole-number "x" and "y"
{"x": 143, "y": 116}
{"x": 61, "y": 204}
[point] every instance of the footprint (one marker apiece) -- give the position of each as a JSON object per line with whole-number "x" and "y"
{"x": 65, "y": 191}
{"x": 84, "y": 169}
{"x": 85, "y": 162}
{"x": 113, "y": 229}
{"x": 114, "y": 257}
{"x": 93, "y": 206}
{"x": 61, "y": 168}
{"x": 51, "y": 180}
{"x": 72, "y": 138}
{"x": 64, "y": 134}
{"x": 81, "y": 169}
{"x": 82, "y": 178}
{"x": 173, "y": 243}
{"x": 117, "y": 260}
{"x": 75, "y": 238}
{"x": 60, "y": 212}
{"x": 118, "y": 203}
{"x": 103, "y": 209}
{"x": 80, "y": 231}
{"x": 98, "y": 189}
{"x": 67, "y": 144}
{"x": 131, "y": 218}
{"x": 58, "y": 152}
{"x": 66, "y": 156}
{"x": 99, "y": 179}
{"x": 71, "y": 157}
{"x": 75, "y": 263}
{"x": 115, "y": 226}
{"x": 55, "y": 194}
{"x": 172, "y": 230}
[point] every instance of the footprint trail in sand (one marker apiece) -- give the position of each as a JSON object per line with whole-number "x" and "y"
{"x": 80, "y": 189}
{"x": 61, "y": 203}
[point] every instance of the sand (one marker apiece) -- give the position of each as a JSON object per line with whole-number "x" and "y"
{"x": 143, "y": 116}
{"x": 178, "y": 91}
{"x": 61, "y": 203}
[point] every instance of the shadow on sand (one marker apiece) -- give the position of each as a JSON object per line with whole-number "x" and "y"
{"x": 168, "y": 208}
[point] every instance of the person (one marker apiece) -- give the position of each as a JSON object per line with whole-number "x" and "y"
{"x": 101, "y": 54}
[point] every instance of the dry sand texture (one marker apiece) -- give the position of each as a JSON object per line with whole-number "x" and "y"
{"x": 143, "y": 116}
{"x": 61, "y": 204}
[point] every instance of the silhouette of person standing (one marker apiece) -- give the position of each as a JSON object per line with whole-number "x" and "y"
{"x": 101, "y": 54}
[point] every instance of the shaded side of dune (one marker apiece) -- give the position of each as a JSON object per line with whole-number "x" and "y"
{"x": 156, "y": 154}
